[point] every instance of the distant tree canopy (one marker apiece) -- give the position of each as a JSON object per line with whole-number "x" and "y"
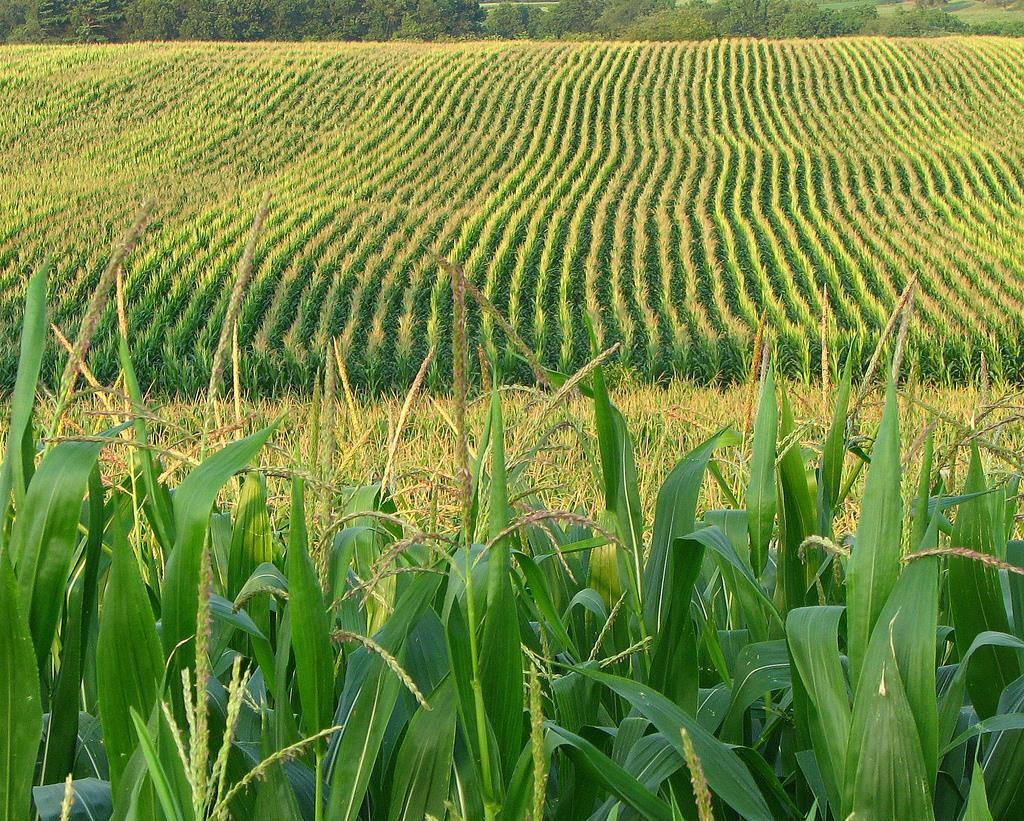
{"x": 122, "y": 20}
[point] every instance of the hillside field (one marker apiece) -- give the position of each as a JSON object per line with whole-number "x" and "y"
{"x": 673, "y": 193}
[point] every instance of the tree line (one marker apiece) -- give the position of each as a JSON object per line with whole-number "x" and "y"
{"x": 705, "y": 19}
{"x": 129, "y": 20}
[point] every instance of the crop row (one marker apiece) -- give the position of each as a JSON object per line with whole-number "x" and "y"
{"x": 673, "y": 193}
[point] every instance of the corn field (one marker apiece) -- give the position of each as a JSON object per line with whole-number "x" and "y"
{"x": 675, "y": 194}
{"x": 251, "y": 643}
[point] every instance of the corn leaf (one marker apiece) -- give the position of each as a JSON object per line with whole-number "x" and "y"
{"x": 310, "y": 625}
{"x": 874, "y": 563}
{"x": 21, "y": 712}
{"x": 609, "y": 775}
{"x": 130, "y": 664}
{"x": 193, "y": 503}
{"x": 727, "y": 776}
{"x": 45, "y": 536}
{"x": 501, "y": 663}
{"x": 16, "y": 470}
{"x": 823, "y": 706}
{"x": 886, "y": 775}
{"x": 976, "y": 598}
{"x": 424, "y": 763}
{"x": 761, "y": 497}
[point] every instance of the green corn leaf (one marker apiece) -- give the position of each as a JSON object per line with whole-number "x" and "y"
{"x": 45, "y": 536}
{"x": 834, "y": 454}
{"x": 953, "y": 694}
{"x": 727, "y": 776}
{"x": 310, "y": 625}
{"x": 368, "y": 701}
{"x": 874, "y": 564}
{"x": 539, "y": 595}
{"x": 21, "y": 714}
{"x": 798, "y": 514}
{"x": 976, "y": 598}
{"x": 675, "y": 511}
{"x": 92, "y": 802}
{"x": 622, "y": 496}
{"x": 761, "y": 497}
{"x": 759, "y": 668}
{"x": 905, "y": 635}
{"x": 16, "y": 470}
{"x": 130, "y": 663}
{"x": 161, "y": 782}
{"x": 501, "y": 663}
{"x": 823, "y": 708}
{"x": 62, "y": 729}
{"x": 424, "y": 763}
{"x": 266, "y": 578}
{"x": 193, "y": 503}
{"x": 977, "y": 801}
{"x": 609, "y": 775}
{"x": 1003, "y": 758}
{"x": 251, "y": 543}
{"x": 885, "y": 771}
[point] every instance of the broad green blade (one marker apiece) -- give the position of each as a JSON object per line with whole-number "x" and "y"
{"x": 977, "y": 801}
{"x": 833, "y": 454}
{"x": 1003, "y": 757}
{"x": 823, "y": 711}
{"x": 310, "y": 625}
{"x": 727, "y": 776}
{"x": 45, "y": 536}
{"x": 16, "y": 471}
{"x": 609, "y": 776}
{"x": 760, "y": 668}
{"x": 501, "y": 662}
{"x": 885, "y": 772}
{"x": 761, "y": 497}
{"x": 874, "y": 563}
{"x": 193, "y": 503}
{"x": 21, "y": 713}
{"x": 905, "y": 632}
{"x": 130, "y": 663}
{"x": 251, "y": 542}
{"x": 675, "y": 512}
{"x": 799, "y": 518}
{"x": 976, "y": 598}
{"x": 622, "y": 495}
{"x": 93, "y": 800}
{"x": 158, "y": 500}
{"x": 423, "y": 767}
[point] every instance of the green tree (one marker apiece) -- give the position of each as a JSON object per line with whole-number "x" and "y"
{"x": 572, "y": 17}
{"x": 53, "y": 17}
{"x": 152, "y": 20}
{"x": 95, "y": 21}
{"x": 510, "y": 21}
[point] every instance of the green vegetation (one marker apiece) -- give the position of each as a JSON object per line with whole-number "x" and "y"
{"x": 314, "y": 651}
{"x": 101, "y": 21}
{"x": 675, "y": 194}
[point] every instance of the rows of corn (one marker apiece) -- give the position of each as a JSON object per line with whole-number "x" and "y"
{"x": 677, "y": 194}
{"x": 220, "y": 640}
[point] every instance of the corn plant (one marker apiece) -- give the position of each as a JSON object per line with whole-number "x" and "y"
{"x": 677, "y": 191}
{"x": 307, "y": 651}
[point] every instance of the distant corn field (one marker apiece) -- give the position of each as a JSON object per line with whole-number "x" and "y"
{"x": 673, "y": 193}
